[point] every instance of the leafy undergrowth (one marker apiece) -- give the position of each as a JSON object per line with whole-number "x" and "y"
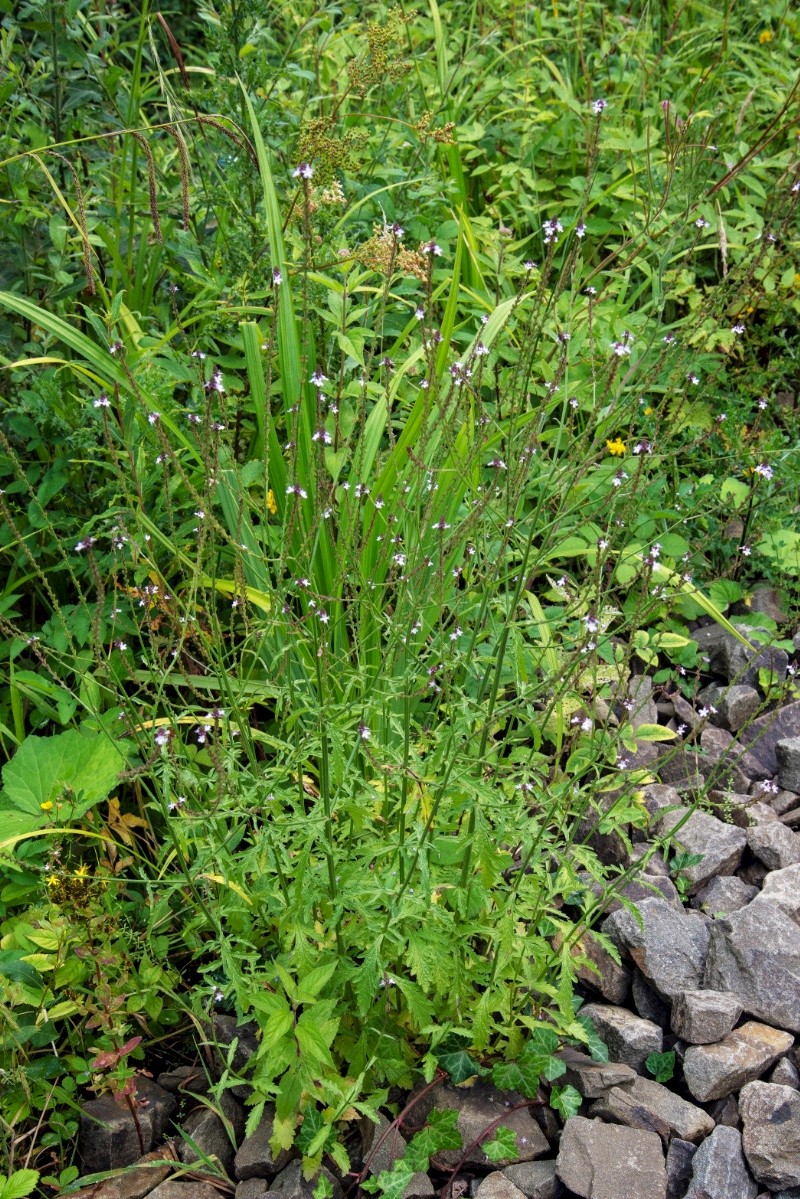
{"x": 381, "y": 397}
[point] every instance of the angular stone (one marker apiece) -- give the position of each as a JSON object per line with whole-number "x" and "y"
{"x": 603, "y": 973}
{"x": 735, "y": 705}
{"x": 498, "y": 1186}
{"x": 723, "y": 895}
{"x": 191, "y": 1079}
{"x": 719, "y": 1170}
{"x": 629, "y": 1038}
{"x": 658, "y": 796}
{"x": 771, "y": 1133}
{"x": 741, "y": 663}
{"x": 775, "y": 845}
{"x": 786, "y": 1074}
{"x": 536, "y": 1180}
{"x": 725, "y": 1111}
{"x": 688, "y": 770}
{"x": 787, "y": 753}
{"x": 608, "y": 1161}
{"x": 477, "y": 1107}
{"x": 742, "y": 809}
{"x": 593, "y": 1079}
{"x": 223, "y": 1032}
{"x": 679, "y": 1167}
{"x": 108, "y": 1132}
{"x": 646, "y": 1104}
{"x": 290, "y": 1183}
{"x": 649, "y": 1005}
{"x": 210, "y": 1134}
{"x": 640, "y": 695}
{"x": 254, "y": 1158}
{"x": 701, "y": 1017}
{"x": 755, "y": 954}
{"x": 669, "y": 946}
{"x": 175, "y": 1189}
{"x": 782, "y": 888}
{"x": 720, "y": 746}
{"x": 252, "y": 1188}
{"x": 720, "y": 845}
{"x": 136, "y": 1182}
{"x": 714, "y": 1071}
{"x": 768, "y": 601}
{"x": 783, "y": 801}
{"x": 762, "y": 735}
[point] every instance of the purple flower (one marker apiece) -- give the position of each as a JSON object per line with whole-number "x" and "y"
{"x": 303, "y": 171}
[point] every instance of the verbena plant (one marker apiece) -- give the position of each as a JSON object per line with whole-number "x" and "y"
{"x": 366, "y": 519}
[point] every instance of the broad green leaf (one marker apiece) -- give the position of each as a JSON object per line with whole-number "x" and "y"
{"x": 517, "y": 1076}
{"x": 19, "y": 1184}
{"x": 654, "y": 732}
{"x": 503, "y": 1147}
{"x": 44, "y": 767}
{"x": 566, "y": 1100}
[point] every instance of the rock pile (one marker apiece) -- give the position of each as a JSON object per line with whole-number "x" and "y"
{"x": 713, "y": 976}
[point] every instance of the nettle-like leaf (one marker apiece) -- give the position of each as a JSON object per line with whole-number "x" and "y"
{"x": 503, "y": 1146}
{"x": 440, "y": 1132}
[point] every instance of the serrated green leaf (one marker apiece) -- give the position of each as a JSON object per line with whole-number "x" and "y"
{"x": 44, "y": 767}
{"x": 517, "y": 1076}
{"x": 598, "y": 1049}
{"x": 20, "y": 1184}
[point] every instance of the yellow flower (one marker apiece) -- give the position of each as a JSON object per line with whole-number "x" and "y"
{"x": 82, "y": 871}
{"x": 47, "y": 805}
{"x": 52, "y": 880}
{"x": 616, "y": 447}
{"x": 272, "y": 507}
{"x": 764, "y": 36}
{"x": 648, "y": 411}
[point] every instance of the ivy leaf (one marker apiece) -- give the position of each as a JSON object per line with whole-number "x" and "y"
{"x": 452, "y": 1056}
{"x": 503, "y": 1147}
{"x": 313, "y": 1123}
{"x": 439, "y": 1133}
{"x": 390, "y": 1183}
{"x": 566, "y": 1100}
{"x": 661, "y": 1065}
{"x": 598, "y": 1049}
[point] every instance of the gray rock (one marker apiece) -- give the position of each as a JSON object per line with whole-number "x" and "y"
{"x": 498, "y": 1186}
{"x": 783, "y": 801}
{"x": 189, "y": 1079}
{"x": 647, "y": 885}
{"x": 382, "y": 1146}
{"x": 648, "y": 1105}
{"x": 174, "y": 1189}
{"x": 254, "y": 1158}
{"x": 688, "y": 770}
{"x": 290, "y": 1183}
{"x": 725, "y": 1111}
{"x": 608, "y": 1161}
{"x": 701, "y": 1017}
{"x": 791, "y": 1193}
{"x": 768, "y": 601}
{"x": 719, "y": 1170}
{"x": 735, "y": 705}
{"x": 629, "y": 1038}
{"x": 136, "y": 1182}
{"x": 775, "y": 845}
{"x": 655, "y": 863}
{"x": 252, "y": 1188}
{"x": 649, "y": 1005}
{"x": 212, "y": 1136}
{"x": 669, "y": 946}
{"x": 762, "y": 735}
{"x": 477, "y": 1107}
{"x": 771, "y": 1133}
{"x": 720, "y": 746}
{"x": 714, "y": 1071}
{"x": 658, "y": 796}
{"x": 740, "y": 663}
{"x": 721, "y": 845}
{"x": 601, "y": 971}
{"x": 108, "y": 1134}
{"x": 594, "y": 1079}
{"x": 723, "y": 895}
{"x": 640, "y": 695}
{"x": 782, "y": 888}
{"x": 742, "y": 809}
{"x": 755, "y": 953}
{"x": 788, "y": 754}
{"x": 753, "y": 874}
{"x": 680, "y": 1156}
{"x": 536, "y": 1180}
{"x": 786, "y": 1074}
{"x": 222, "y": 1034}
